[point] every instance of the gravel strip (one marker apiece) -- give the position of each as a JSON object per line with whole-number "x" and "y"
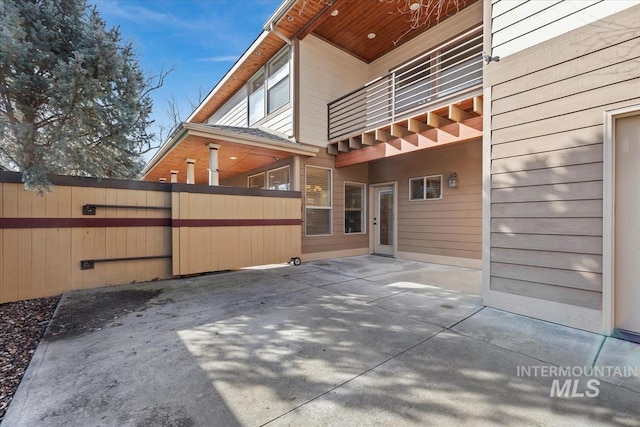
{"x": 22, "y": 325}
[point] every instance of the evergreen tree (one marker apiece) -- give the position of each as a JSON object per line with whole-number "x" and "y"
{"x": 73, "y": 99}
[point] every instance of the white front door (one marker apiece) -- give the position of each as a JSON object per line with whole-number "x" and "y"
{"x": 627, "y": 227}
{"x": 384, "y": 221}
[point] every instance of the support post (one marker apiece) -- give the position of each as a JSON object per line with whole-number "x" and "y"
{"x": 214, "y": 172}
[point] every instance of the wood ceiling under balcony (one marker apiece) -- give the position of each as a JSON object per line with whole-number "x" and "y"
{"x": 348, "y": 30}
{"x": 389, "y": 20}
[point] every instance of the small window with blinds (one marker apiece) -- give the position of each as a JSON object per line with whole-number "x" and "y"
{"x": 318, "y": 206}
{"x": 256, "y": 181}
{"x": 354, "y": 208}
{"x": 425, "y": 188}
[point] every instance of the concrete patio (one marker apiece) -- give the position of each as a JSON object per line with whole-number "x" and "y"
{"x": 354, "y": 341}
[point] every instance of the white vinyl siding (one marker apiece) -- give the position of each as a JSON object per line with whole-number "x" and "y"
{"x": 326, "y": 73}
{"x": 518, "y": 25}
{"x": 233, "y": 112}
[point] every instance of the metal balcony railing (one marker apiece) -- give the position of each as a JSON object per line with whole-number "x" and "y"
{"x": 441, "y": 74}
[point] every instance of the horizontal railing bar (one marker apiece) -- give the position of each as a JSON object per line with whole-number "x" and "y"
{"x": 90, "y": 208}
{"x": 437, "y": 102}
{"x": 425, "y": 80}
{"x": 88, "y": 264}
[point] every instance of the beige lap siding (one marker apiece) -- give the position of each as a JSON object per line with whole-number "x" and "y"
{"x": 452, "y": 226}
{"x": 546, "y": 157}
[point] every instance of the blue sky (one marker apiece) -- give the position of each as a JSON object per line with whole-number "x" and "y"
{"x": 201, "y": 38}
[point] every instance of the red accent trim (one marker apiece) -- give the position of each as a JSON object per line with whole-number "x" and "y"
{"x": 232, "y": 222}
{"x": 9, "y": 223}
{"x": 82, "y": 222}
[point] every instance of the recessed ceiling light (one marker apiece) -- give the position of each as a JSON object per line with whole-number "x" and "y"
{"x": 233, "y": 158}
{"x": 414, "y": 6}
{"x": 371, "y": 35}
{"x": 334, "y": 13}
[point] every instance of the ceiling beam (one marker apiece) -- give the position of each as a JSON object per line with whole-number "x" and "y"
{"x": 382, "y": 135}
{"x": 457, "y": 114}
{"x": 436, "y": 121}
{"x": 368, "y": 138}
{"x": 452, "y": 133}
{"x": 477, "y": 105}
{"x": 399, "y": 131}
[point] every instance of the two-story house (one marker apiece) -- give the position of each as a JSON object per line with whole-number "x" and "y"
{"x": 378, "y": 123}
{"x": 500, "y": 134}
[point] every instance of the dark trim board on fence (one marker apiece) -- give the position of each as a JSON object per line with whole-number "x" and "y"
{"x": 124, "y": 184}
{"x": 233, "y": 222}
{"x": 78, "y": 181}
{"x": 9, "y": 223}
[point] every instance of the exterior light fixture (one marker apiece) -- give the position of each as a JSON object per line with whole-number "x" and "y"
{"x": 453, "y": 180}
{"x": 233, "y": 158}
{"x": 371, "y": 36}
{"x": 334, "y": 13}
{"x": 414, "y": 6}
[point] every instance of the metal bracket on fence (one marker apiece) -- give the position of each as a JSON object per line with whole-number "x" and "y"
{"x": 90, "y": 209}
{"x": 89, "y": 264}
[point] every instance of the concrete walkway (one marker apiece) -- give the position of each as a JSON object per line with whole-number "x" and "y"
{"x": 356, "y": 341}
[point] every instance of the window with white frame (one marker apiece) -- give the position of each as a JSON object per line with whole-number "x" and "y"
{"x": 425, "y": 188}
{"x": 269, "y": 87}
{"x": 354, "y": 208}
{"x": 318, "y": 204}
{"x": 278, "y": 179}
{"x": 256, "y": 181}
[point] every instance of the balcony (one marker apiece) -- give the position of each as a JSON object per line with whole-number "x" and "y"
{"x": 443, "y": 76}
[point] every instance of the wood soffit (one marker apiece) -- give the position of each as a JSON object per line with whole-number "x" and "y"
{"x": 348, "y": 31}
{"x": 233, "y": 159}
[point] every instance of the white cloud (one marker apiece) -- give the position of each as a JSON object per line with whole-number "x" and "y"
{"x": 221, "y": 58}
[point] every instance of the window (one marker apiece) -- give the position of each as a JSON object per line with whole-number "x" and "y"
{"x": 354, "y": 208}
{"x": 317, "y": 201}
{"x": 278, "y": 179}
{"x": 269, "y": 87}
{"x": 278, "y": 82}
{"x": 256, "y": 181}
{"x": 425, "y": 188}
{"x": 256, "y": 97}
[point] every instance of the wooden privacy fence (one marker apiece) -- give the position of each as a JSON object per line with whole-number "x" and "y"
{"x": 89, "y": 233}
